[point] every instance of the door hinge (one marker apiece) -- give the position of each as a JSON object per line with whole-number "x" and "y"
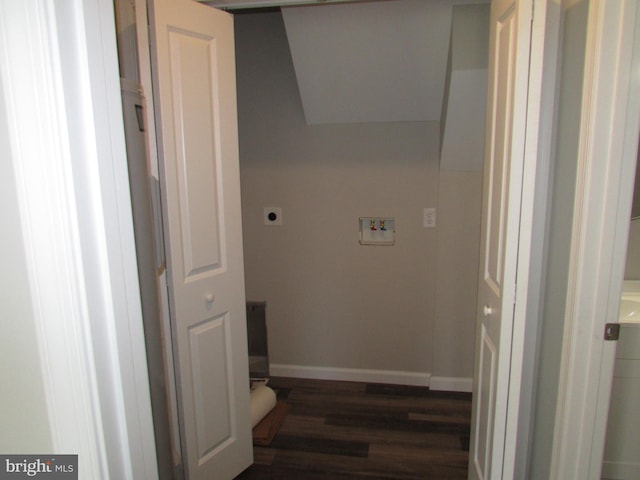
{"x": 612, "y": 331}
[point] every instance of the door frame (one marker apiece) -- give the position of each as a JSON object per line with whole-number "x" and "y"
{"x": 546, "y": 30}
{"x": 144, "y": 66}
{"x": 539, "y": 75}
{"x": 527, "y": 319}
{"x": 610, "y": 123}
{"x": 96, "y": 18}
{"x": 62, "y": 88}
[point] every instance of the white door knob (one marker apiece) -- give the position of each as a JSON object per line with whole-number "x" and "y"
{"x": 210, "y": 297}
{"x": 487, "y": 310}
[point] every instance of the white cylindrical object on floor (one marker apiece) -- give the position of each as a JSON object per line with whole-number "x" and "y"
{"x": 263, "y": 399}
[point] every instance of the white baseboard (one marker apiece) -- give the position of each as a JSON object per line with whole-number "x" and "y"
{"x": 451, "y": 384}
{"x": 351, "y": 374}
{"x": 617, "y": 469}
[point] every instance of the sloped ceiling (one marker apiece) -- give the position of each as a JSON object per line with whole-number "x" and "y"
{"x": 463, "y": 119}
{"x": 368, "y": 61}
{"x": 241, "y": 4}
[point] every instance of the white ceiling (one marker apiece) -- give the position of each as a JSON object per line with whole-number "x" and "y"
{"x": 237, "y": 4}
{"x": 370, "y": 61}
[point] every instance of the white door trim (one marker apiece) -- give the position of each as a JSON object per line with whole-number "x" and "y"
{"x": 144, "y": 68}
{"x": 520, "y": 253}
{"x": 607, "y": 157}
{"x": 67, "y": 139}
{"x": 545, "y": 42}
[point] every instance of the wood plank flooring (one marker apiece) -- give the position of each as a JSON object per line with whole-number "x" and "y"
{"x": 350, "y": 430}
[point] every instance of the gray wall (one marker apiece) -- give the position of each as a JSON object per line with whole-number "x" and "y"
{"x": 459, "y": 206}
{"x": 332, "y": 302}
{"x": 22, "y": 402}
{"x": 465, "y": 97}
{"x": 470, "y": 29}
{"x": 632, "y": 271}
{"x": 635, "y": 209}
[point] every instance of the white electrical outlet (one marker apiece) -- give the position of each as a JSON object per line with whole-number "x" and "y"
{"x": 272, "y": 216}
{"x": 429, "y": 217}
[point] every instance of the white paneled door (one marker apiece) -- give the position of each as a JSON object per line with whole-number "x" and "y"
{"x": 503, "y": 177}
{"x": 194, "y": 69}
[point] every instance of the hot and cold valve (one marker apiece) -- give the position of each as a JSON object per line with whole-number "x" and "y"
{"x": 377, "y": 230}
{"x": 377, "y": 224}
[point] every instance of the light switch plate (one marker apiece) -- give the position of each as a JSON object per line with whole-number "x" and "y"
{"x": 429, "y": 217}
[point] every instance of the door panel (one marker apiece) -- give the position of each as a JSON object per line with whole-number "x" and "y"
{"x": 504, "y": 157}
{"x": 486, "y": 405}
{"x": 196, "y": 154}
{"x": 209, "y": 364}
{"x": 194, "y": 86}
{"x": 500, "y": 149}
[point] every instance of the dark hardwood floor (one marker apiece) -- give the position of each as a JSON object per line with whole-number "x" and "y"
{"x": 350, "y": 430}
